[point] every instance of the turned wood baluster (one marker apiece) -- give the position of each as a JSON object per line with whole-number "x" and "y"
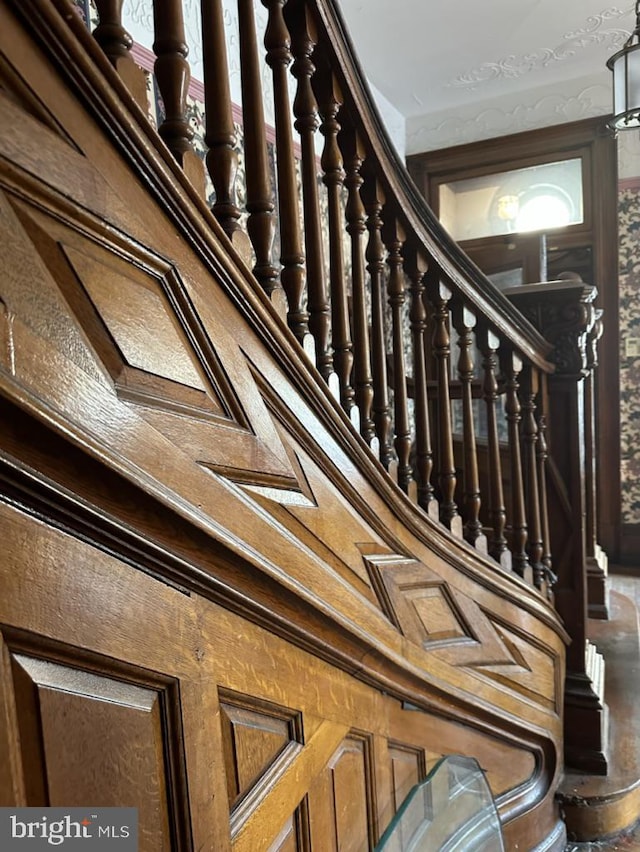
{"x": 512, "y": 367}
{"x": 220, "y": 136}
{"x": 292, "y": 274}
{"x": 260, "y": 224}
{"x": 373, "y": 198}
{"x": 172, "y": 75}
{"x": 355, "y": 216}
{"x": 489, "y": 343}
{"x": 416, "y": 268}
{"x": 116, "y": 43}
{"x": 530, "y": 438}
{"x": 464, "y": 322}
{"x": 542, "y": 456}
{"x": 112, "y": 37}
{"x": 394, "y": 238}
{"x": 439, "y": 296}
{"x": 307, "y": 122}
{"x": 333, "y": 179}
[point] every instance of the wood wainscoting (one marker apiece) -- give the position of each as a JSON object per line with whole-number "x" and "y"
{"x": 123, "y": 690}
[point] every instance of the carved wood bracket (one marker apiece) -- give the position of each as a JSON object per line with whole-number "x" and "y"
{"x": 564, "y": 312}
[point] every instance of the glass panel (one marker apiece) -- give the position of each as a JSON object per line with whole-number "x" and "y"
{"x": 452, "y": 810}
{"x": 537, "y": 198}
{"x": 626, "y": 87}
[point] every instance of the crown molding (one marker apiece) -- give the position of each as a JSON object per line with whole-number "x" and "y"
{"x": 572, "y": 43}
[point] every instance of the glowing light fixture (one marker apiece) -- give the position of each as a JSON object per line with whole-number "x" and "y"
{"x": 625, "y": 65}
{"x": 508, "y": 206}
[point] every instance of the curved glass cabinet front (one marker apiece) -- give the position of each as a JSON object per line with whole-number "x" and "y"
{"x": 452, "y": 810}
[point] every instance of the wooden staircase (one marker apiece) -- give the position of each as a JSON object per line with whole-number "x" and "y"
{"x": 285, "y": 521}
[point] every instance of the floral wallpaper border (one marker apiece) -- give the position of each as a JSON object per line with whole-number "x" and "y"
{"x": 629, "y": 295}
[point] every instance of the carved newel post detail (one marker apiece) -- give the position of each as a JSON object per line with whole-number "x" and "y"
{"x": 564, "y": 313}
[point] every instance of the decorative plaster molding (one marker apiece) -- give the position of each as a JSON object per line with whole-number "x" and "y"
{"x": 512, "y": 67}
{"x": 441, "y": 130}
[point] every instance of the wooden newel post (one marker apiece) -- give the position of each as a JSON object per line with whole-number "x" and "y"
{"x": 597, "y": 561}
{"x": 564, "y": 313}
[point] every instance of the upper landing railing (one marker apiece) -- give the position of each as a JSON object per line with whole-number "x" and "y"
{"x": 442, "y": 376}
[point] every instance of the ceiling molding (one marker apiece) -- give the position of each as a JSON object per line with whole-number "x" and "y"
{"x": 511, "y": 67}
{"x": 500, "y": 117}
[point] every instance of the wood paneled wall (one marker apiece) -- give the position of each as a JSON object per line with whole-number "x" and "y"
{"x": 214, "y": 606}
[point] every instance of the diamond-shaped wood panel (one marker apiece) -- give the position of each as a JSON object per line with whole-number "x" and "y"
{"x": 433, "y": 614}
{"x": 455, "y": 628}
{"x": 420, "y": 604}
{"x": 436, "y": 611}
{"x": 127, "y": 317}
{"x": 153, "y": 355}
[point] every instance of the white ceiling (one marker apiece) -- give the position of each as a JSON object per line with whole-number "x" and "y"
{"x": 461, "y": 70}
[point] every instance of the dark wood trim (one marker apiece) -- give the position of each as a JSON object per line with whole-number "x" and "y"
{"x": 605, "y": 247}
{"x": 490, "y": 155}
{"x": 630, "y": 545}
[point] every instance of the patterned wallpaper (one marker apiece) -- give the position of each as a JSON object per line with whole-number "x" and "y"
{"x": 629, "y": 233}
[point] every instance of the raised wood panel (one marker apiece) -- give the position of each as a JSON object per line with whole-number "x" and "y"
{"x": 437, "y": 614}
{"x": 407, "y": 769}
{"x": 246, "y": 447}
{"x": 252, "y": 670}
{"x": 255, "y": 734}
{"x": 452, "y": 625}
{"x": 257, "y": 742}
{"x": 104, "y": 692}
{"x": 433, "y": 614}
{"x": 341, "y": 808}
{"x": 138, "y": 335}
{"x": 140, "y": 320}
{"x": 90, "y": 739}
{"x": 294, "y": 837}
{"x": 14, "y": 86}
